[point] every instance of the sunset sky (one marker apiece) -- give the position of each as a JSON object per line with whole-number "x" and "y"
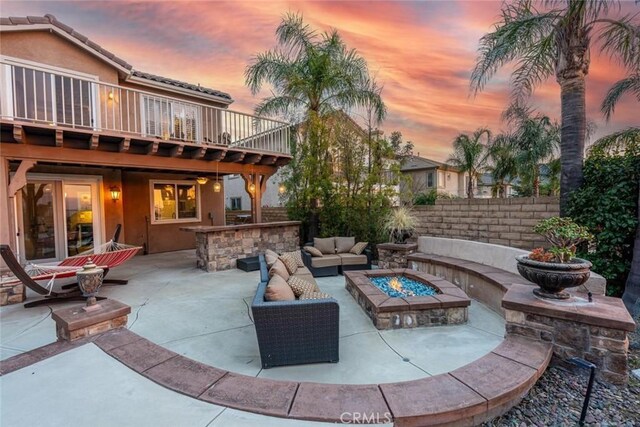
{"x": 423, "y": 53}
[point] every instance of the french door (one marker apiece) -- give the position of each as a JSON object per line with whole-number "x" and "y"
{"x": 58, "y": 217}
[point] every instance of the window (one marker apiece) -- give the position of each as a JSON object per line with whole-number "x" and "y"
{"x": 166, "y": 119}
{"x": 177, "y": 201}
{"x": 236, "y": 203}
{"x": 441, "y": 182}
{"x": 430, "y": 183}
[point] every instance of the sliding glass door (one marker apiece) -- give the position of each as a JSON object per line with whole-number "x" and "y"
{"x": 58, "y": 217}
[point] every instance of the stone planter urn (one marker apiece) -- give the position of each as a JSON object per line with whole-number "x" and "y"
{"x": 89, "y": 281}
{"x": 554, "y": 277}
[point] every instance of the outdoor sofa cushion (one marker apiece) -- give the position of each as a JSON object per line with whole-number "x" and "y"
{"x": 297, "y": 255}
{"x": 280, "y": 269}
{"x": 326, "y": 261}
{"x": 313, "y": 251}
{"x": 315, "y": 295}
{"x": 344, "y": 244}
{"x": 300, "y": 286}
{"x": 352, "y": 259}
{"x": 358, "y": 248}
{"x": 327, "y": 245}
{"x": 278, "y": 290}
{"x": 290, "y": 262}
{"x": 270, "y": 257}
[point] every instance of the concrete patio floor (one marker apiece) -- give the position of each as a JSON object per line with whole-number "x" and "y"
{"x": 207, "y": 317}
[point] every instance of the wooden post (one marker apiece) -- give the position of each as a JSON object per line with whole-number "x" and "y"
{"x": 8, "y": 190}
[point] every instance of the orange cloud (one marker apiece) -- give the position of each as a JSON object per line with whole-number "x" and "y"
{"x": 422, "y": 52}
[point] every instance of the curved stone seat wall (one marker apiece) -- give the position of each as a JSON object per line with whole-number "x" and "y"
{"x": 498, "y": 256}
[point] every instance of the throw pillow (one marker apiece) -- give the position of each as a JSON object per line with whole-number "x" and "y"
{"x": 297, "y": 256}
{"x": 300, "y": 286}
{"x": 326, "y": 245}
{"x": 278, "y": 290}
{"x": 315, "y": 295}
{"x": 270, "y": 257}
{"x": 280, "y": 269}
{"x": 358, "y": 248}
{"x": 289, "y": 262}
{"x": 313, "y": 251}
{"x": 343, "y": 244}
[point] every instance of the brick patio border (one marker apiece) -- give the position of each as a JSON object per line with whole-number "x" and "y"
{"x": 476, "y": 392}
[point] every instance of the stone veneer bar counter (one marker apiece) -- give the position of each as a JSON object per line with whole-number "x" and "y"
{"x": 220, "y": 247}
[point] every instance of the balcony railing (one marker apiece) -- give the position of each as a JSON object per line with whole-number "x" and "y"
{"x": 40, "y": 96}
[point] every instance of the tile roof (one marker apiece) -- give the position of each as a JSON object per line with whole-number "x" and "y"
{"x": 52, "y": 20}
{"x": 417, "y": 163}
{"x": 178, "y": 83}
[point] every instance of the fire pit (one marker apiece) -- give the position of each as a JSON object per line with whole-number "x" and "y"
{"x": 403, "y": 298}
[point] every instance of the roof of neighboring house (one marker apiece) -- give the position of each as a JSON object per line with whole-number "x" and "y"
{"x": 414, "y": 163}
{"x": 36, "y": 22}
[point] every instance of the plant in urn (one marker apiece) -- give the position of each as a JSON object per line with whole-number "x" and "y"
{"x": 89, "y": 281}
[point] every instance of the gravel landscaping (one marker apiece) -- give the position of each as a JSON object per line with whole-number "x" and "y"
{"x": 556, "y": 400}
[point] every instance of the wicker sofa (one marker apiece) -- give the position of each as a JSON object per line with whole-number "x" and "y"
{"x": 294, "y": 332}
{"x": 332, "y": 264}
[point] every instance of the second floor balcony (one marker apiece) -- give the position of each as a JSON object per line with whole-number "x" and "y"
{"x": 55, "y": 99}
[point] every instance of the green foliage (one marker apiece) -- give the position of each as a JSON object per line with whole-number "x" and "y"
{"x": 564, "y": 235}
{"x": 430, "y": 197}
{"x": 399, "y": 223}
{"x": 607, "y": 205}
{"x": 470, "y": 155}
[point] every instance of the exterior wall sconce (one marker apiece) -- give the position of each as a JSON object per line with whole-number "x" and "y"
{"x": 282, "y": 189}
{"x": 202, "y": 180}
{"x": 115, "y": 193}
{"x": 217, "y": 187}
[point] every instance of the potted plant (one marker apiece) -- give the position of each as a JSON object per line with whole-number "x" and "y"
{"x": 400, "y": 224}
{"x": 557, "y": 268}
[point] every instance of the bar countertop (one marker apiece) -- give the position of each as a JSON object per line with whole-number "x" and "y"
{"x": 222, "y": 228}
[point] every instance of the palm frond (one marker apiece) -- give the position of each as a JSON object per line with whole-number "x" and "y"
{"x": 278, "y": 105}
{"x": 294, "y": 33}
{"x": 628, "y": 85}
{"x": 620, "y": 39}
{"x": 522, "y": 28}
{"x": 623, "y": 141}
{"x": 535, "y": 65}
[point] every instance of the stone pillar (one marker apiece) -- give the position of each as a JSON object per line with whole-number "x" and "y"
{"x": 394, "y": 255}
{"x": 74, "y": 323}
{"x": 596, "y": 331}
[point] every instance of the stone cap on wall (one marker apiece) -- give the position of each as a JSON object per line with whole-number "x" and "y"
{"x": 398, "y": 247}
{"x": 215, "y": 228}
{"x": 607, "y": 312}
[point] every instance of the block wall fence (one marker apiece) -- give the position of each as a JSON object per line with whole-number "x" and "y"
{"x": 506, "y": 222}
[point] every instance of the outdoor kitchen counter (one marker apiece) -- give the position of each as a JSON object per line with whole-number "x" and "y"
{"x": 220, "y": 247}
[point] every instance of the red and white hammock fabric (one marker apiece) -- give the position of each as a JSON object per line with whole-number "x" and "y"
{"x": 108, "y": 255}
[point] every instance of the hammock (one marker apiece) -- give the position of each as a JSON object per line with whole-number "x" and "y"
{"x": 108, "y": 255}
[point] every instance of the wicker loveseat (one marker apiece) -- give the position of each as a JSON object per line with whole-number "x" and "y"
{"x": 294, "y": 332}
{"x": 340, "y": 260}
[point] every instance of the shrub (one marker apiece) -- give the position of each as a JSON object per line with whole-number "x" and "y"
{"x": 564, "y": 235}
{"x": 607, "y": 204}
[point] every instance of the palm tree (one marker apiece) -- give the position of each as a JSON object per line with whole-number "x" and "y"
{"x": 503, "y": 158}
{"x": 536, "y": 138}
{"x": 470, "y": 156}
{"x": 556, "y": 39}
{"x": 311, "y": 76}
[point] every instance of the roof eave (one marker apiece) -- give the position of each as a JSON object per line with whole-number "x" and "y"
{"x": 171, "y": 88}
{"x": 52, "y": 28}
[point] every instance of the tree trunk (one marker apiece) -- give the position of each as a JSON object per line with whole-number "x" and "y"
{"x": 572, "y": 138}
{"x": 631, "y": 296}
{"x": 470, "y": 187}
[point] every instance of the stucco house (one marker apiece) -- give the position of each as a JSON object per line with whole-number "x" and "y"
{"x": 88, "y": 142}
{"x": 427, "y": 175}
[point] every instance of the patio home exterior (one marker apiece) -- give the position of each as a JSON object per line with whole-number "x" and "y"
{"x": 88, "y": 142}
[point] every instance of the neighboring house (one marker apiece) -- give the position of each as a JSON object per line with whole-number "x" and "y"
{"x": 88, "y": 142}
{"x": 427, "y": 175}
